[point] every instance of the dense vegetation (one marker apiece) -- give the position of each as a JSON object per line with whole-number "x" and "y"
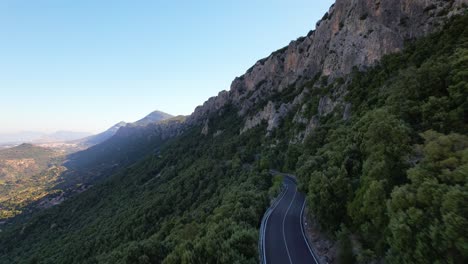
{"x": 27, "y": 173}
{"x": 42, "y": 156}
{"x": 199, "y": 200}
{"x": 127, "y": 146}
{"x": 393, "y": 174}
{"x": 396, "y": 172}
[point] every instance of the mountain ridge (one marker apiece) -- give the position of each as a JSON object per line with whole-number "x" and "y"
{"x": 382, "y": 166}
{"x": 153, "y": 117}
{"x": 77, "y": 164}
{"x": 351, "y": 34}
{"x": 126, "y": 145}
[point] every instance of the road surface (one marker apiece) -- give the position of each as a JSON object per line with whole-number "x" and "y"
{"x": 284, "y": 240}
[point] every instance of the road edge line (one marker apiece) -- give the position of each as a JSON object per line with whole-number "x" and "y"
{"x": 264, "y": 223}
{"x": 304, "y": 235}
{"x": 284, "y": 220}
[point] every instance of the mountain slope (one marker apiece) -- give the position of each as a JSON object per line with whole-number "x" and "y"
{"x": 49, "y": 176}
{"x": 352, "y": 34}
{"x": 161, "y": 187}
{"x": 393, "y": 134}
{"x": 101, "y": 137}
{"x": 129, "y": 144}
{"x": 26, "y": 174}
{"x": 153, "y": 117}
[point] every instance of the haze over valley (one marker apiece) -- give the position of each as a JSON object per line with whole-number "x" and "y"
{"x": 306, "y": 132}
{"x": 34, "y": 175}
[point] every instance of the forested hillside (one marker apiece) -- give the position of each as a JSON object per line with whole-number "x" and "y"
{"x": 27, "y": 174}
{"x": 199, "y": 200}
{"x": 129, "y": 144}
{"x": 385, "y": 164}
{"x": 396, "y": 172}
{"x": 33, "y": 178}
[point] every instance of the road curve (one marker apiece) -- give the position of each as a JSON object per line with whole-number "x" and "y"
{"x": 283, "y": 239}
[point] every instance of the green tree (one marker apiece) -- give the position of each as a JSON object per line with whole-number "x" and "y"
{"x": 428, "y": 216}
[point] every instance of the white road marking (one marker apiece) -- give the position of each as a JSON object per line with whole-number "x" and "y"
{"x": 266, "y": 222}
{"x": 284, "y": 220}
{"x": 303, "y": 233}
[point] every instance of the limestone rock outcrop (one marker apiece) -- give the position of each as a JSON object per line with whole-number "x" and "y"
{"x": 353, "y": 33}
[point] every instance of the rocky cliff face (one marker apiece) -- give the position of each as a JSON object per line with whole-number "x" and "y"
{"x": 164, "y": 129}
{"x": 354, "y": 33}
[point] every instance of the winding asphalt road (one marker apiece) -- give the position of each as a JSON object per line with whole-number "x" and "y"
{"x": 284, "y": 239}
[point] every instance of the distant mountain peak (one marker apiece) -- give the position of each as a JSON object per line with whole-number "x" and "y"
{"x": 117, "y": 126}
{"x": 153, "y": 117}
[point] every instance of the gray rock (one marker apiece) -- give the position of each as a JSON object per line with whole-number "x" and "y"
{"x": 314, "y": 122}
{"x": 347, "y": 111}
{"x": 326, "y": 106}
{"x": 353, "y": 34}
{"x": 205, "y": 129}
{"x": 218, "y": 133}
{"x": 270, "y": 114}
{"x": 299, "y": 117}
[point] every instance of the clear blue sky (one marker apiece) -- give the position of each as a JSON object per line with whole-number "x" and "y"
{"x": 85, "y": 65}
